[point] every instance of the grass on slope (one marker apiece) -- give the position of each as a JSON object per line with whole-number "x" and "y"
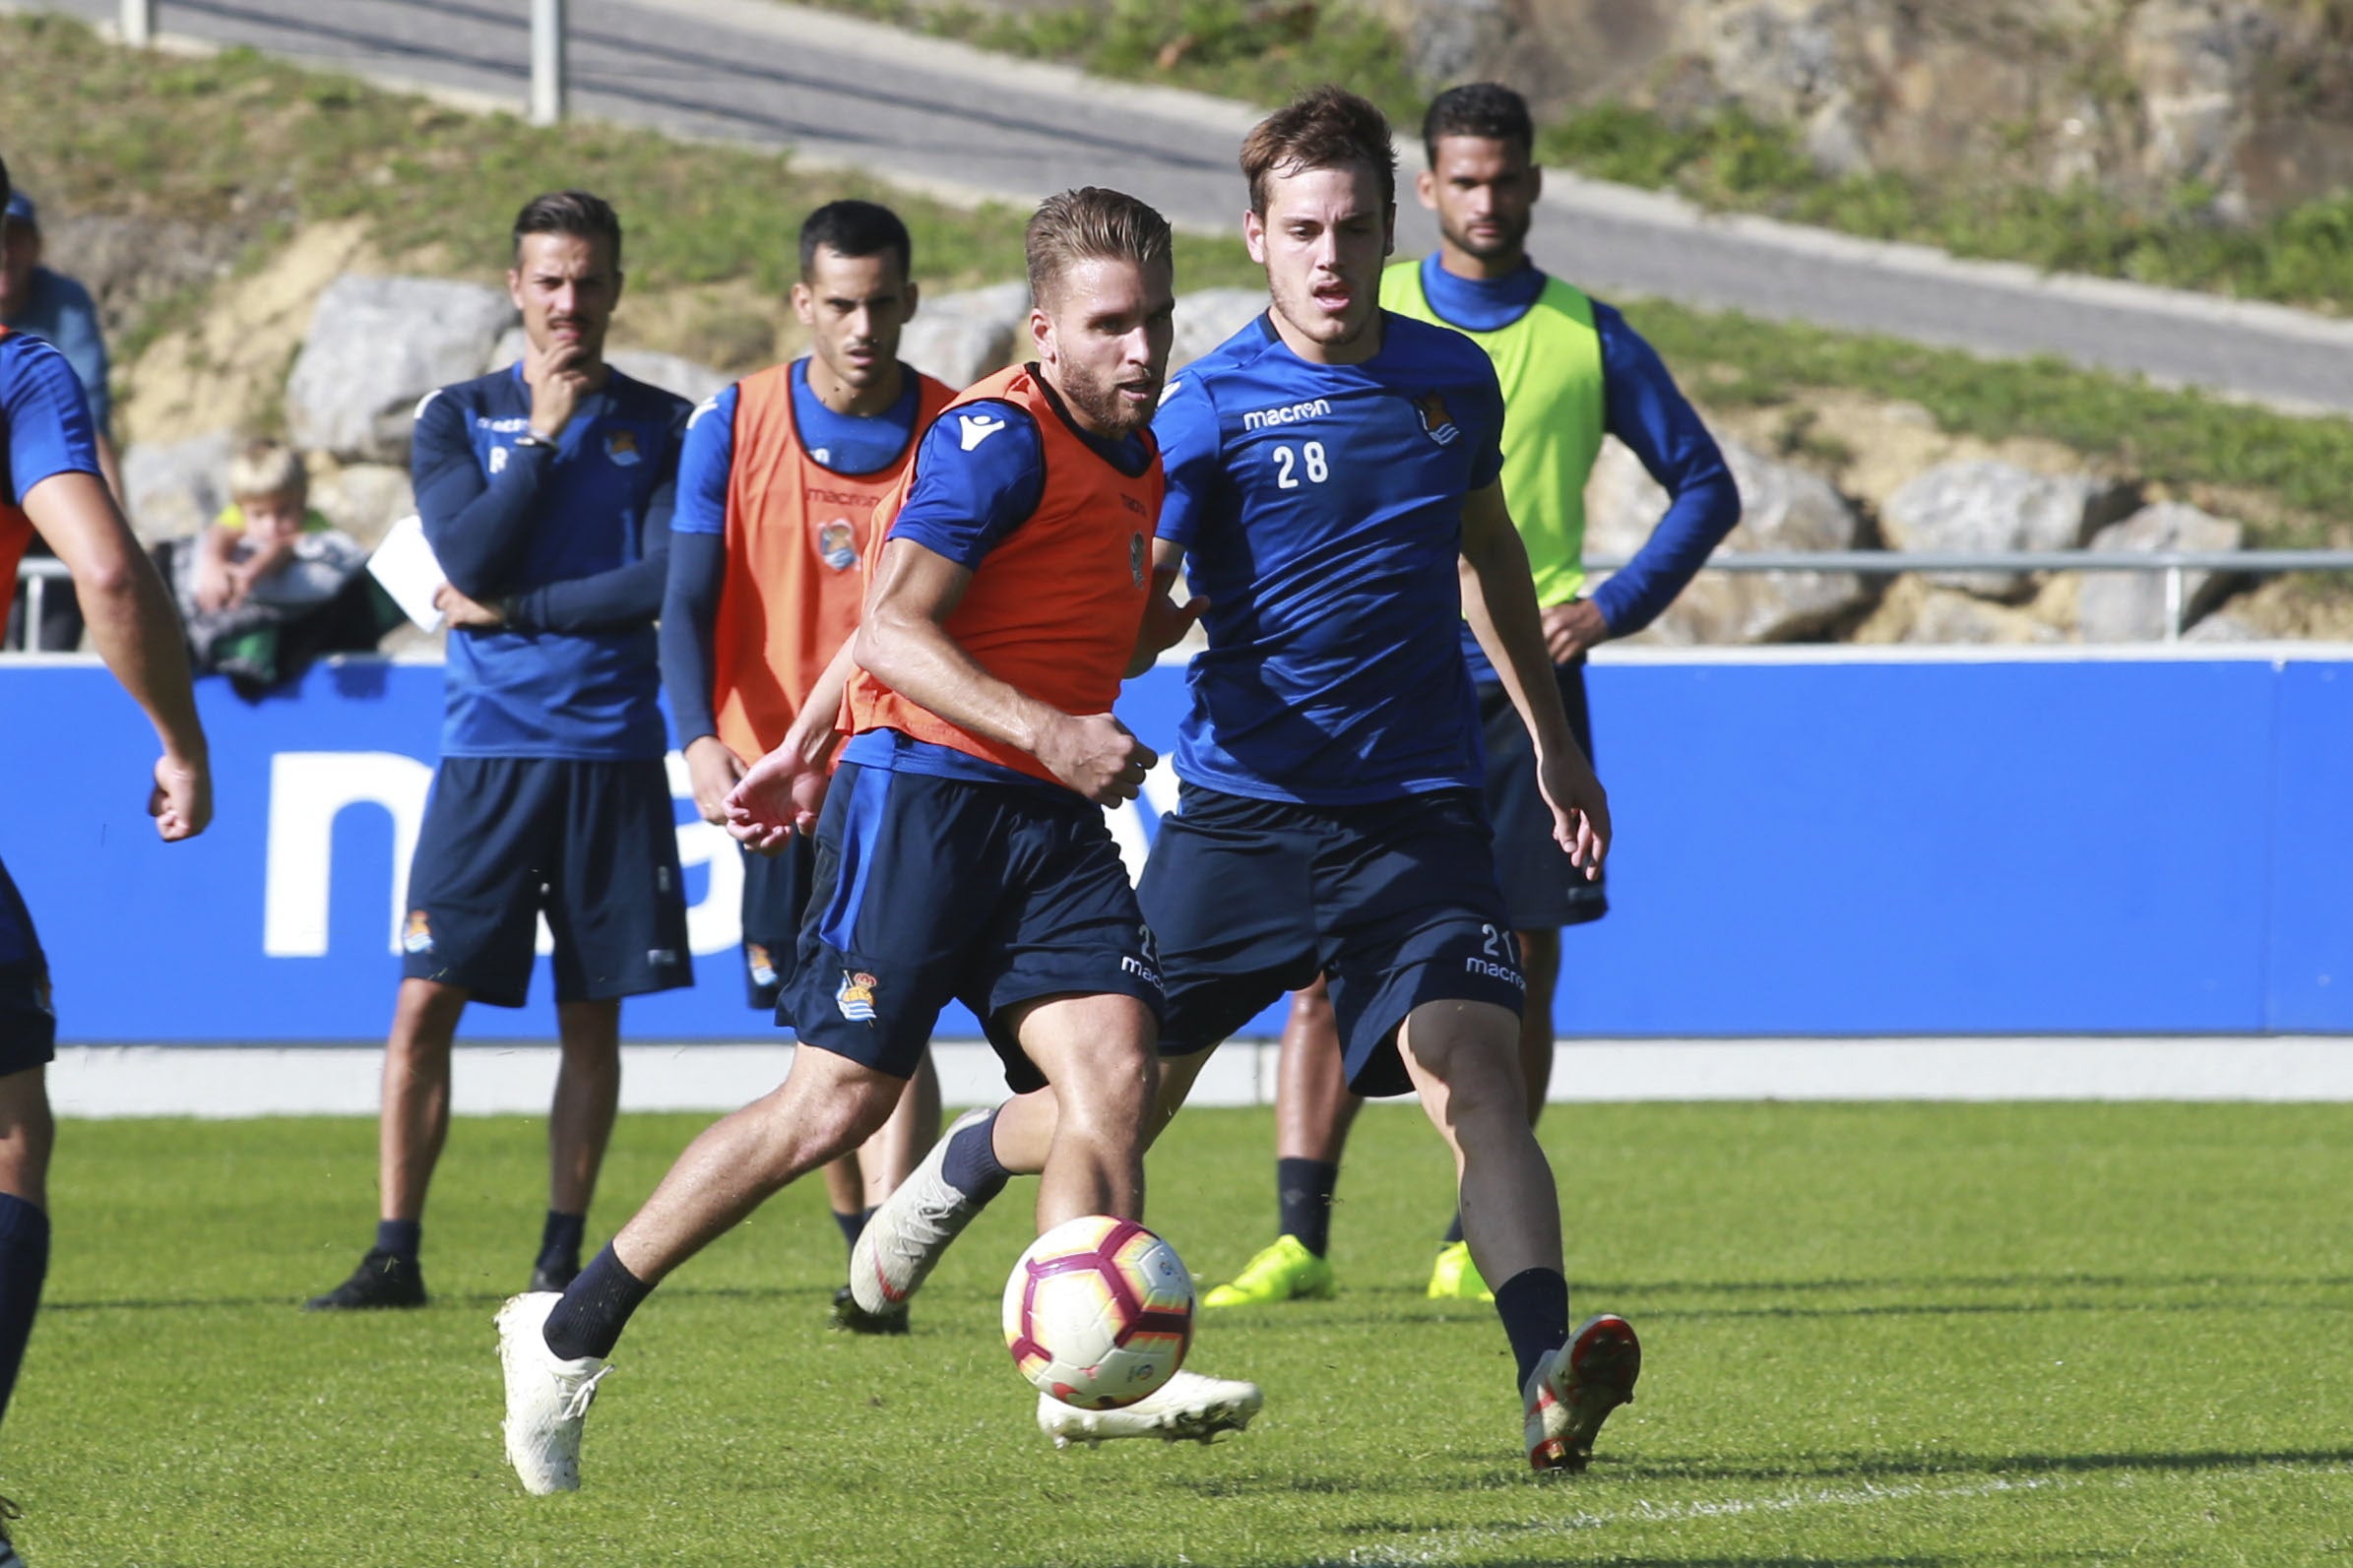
{"x": 1877, "y": 1335}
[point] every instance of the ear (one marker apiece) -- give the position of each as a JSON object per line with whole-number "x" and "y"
{"x": 1388, "y": 230}
{"x": 1042, "y": 333}
{"x": 515, "y": 287}
{"x": 1253, "y": 235}
{"x": 914, "y": 295}
{"x": 805, "y": 304}
{"x": 1535, "y": 181}
{"x": 1425, "y": 189}
{"x": 619, "y": 278}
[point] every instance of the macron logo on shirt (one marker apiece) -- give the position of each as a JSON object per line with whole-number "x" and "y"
{"x": 973, "y": 428}
{"x": 1287, "y": 414}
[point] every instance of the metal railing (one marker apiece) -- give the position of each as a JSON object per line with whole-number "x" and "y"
{"x": 548, "y": 78}
{"x": 35, "y": 572}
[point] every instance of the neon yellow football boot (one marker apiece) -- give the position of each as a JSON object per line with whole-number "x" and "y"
{"x": 1284, "y": 1271}
{"x": 1456, "y": 1276}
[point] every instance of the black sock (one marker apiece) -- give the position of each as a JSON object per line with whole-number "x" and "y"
{"x": 400, "y": 1238}
{"x": 1534, "y": 1306}
{"x": 1453, "y": 1229}
{"x": 851, "y": 1225}
{"x": 560, "y": 1239}
{"x": 971, "y": 1165}
{"x": 1304, "y": 1196}
{"x": 590, "y": 1318}
{"x": 24, "y": 1264}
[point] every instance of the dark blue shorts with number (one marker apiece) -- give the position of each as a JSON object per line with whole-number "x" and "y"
{"x": 1542, "y": 889}
{"x": 931, "y": 890}
{"x": 1396, "y": 902}
{"x": 776, "y": 895}
{"x": 28, "y": 1020}
{"x": 594, "y": 844}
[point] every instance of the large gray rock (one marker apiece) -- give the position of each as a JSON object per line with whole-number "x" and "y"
{"x": 1207, "y": 317}
{"x": 961, "y": 338}
{"x": 376, "y": 347}
{"x": 696, "y": 383}
{"x": 1981, "y": 507}
{"x": 176, "y": 488}
{"x": 2129, "y": 606}
{"x": 364, "y": 499}
{"x": 1782, "y": 508}
{"x": 1948, "y": 617}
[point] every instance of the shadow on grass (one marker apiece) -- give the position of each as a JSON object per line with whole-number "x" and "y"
{"x": 1997, "y": 1465}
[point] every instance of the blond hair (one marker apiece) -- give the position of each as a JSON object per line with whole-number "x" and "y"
{"x": 1090, "y": 223}
{"x": 266, "y": 467}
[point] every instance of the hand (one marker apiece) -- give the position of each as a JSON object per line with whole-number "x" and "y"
{"x": 778, "y": 796}
{"x": 1580, "y": 809}
{"x": 1574, "y": 628}
{"x": 713, "y": 768}
{"x": 216, "y": 588}
{"x": 465, "y": 612}
{"x": 1095, "y": 756}
{"x": 181, "y": 801}
{"x": 1166, "y": 623}
{"x": 558, "y": 381}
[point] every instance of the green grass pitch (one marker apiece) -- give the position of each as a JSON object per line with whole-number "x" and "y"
{"x": 1875, "y": 1336}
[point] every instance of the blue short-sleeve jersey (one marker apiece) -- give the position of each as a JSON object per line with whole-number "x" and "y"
{"x": 45, "y": 424}
{"x": 1321, "y": 510}
{"x": 536, "y": 693}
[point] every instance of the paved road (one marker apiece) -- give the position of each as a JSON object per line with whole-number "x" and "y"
{"x": 942, "y": 117}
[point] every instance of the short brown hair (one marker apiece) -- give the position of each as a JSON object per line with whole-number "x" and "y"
{"x": 1090, "y": 223}
{"x": 575, "y": 213}
{"x": 1325, "y": 127}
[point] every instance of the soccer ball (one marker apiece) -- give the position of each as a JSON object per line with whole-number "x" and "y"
{"x": 1098, "y": 1312}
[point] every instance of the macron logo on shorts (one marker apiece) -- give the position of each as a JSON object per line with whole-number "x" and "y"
{"x": 973, "y": 428}
{"x": 856, "y": 996}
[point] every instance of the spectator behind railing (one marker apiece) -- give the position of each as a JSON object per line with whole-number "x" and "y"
{"x": 48, "y": 304}
{"x": 273, "y": 584}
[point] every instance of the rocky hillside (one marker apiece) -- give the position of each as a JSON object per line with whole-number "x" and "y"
{"x": 323, "y": 344}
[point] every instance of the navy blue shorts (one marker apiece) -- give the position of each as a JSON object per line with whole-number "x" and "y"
{"x": 28, "y": 1020}
{"x": 1542, "y": 889}
{"x": 595, "y": 844}
{"x": 1395, "y": 901}
{"x": 932, "y": 890}
{"x": 776, "y": 895}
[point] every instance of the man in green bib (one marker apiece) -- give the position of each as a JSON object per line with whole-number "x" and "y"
{"x": 1571, "y": 371}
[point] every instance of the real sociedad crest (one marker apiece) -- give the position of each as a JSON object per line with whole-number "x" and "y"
{"x": 1437, "y": 422}
{"x": 835, "y": 547}
{"x": 621, "y": 448}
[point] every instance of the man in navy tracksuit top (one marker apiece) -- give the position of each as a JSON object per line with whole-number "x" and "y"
{"x": 545, "y": 490}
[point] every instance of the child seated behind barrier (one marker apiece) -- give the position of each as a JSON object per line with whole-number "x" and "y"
{"x": 267, "y": 546}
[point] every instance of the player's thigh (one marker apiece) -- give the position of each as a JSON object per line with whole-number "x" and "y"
{"x": 475, "y": 882}
{"x": 776, "y": 895}
{"x": 1542, "y": 888}
{"x": 1409, "y": 913}
{"x": 1227, "y": 895}
{"x": 616, "y": 895}
{"x": 906, "y": 871}
{"x": 1066, "y": 930}
{"x": 28, "y": 1011}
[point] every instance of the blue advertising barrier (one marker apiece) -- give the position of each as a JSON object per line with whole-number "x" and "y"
{"x": 1807, "y": 846}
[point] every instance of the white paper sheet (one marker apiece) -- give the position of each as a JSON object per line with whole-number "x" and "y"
{"x": 404, "y": 563}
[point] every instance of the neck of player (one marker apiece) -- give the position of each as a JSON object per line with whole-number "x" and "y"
{"x": 1480, "y": 269}
{"x": 859, "y": 403}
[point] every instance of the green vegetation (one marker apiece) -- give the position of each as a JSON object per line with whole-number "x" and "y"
{"x": 1264, "y": 53}
{"x": 1955, "y": 1335}
{"x": 2180, "y": 439}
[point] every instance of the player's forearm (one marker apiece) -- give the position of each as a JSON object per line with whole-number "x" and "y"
{"x": 1498, "y": 596}
{"x": 916, "y": 657}
{"x": 1695, "y": 522}
{"x": 480, "y": 532}
{"x": 697, "y": 574}
{"x": 816, "y": 729}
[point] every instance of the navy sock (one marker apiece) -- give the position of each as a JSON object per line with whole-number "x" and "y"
{"x": 851, "y": 1225}
{"x": 1534, "y": 1306}
{"x": 561, "y": 1241}
{"x": 971, "y": 1165}
{"x": 24, "y": 1264}
{"x": 1453, "y": 1229}
{"x": 590, "y": 1318}
{"x": 1304, "y": 1199}
{"x": 400, "y": 1238}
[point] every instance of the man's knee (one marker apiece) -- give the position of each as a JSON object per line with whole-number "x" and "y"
{"x": 1472, "y": 1048}
{"x": 27, "y": 1131}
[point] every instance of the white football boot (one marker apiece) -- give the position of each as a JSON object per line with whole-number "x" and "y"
{"x": 1188, "y": 1405}
{"x": 548, "y": 1396}
{"x": 896, "y": 1251}
{"x": 1574, "y": 1387}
